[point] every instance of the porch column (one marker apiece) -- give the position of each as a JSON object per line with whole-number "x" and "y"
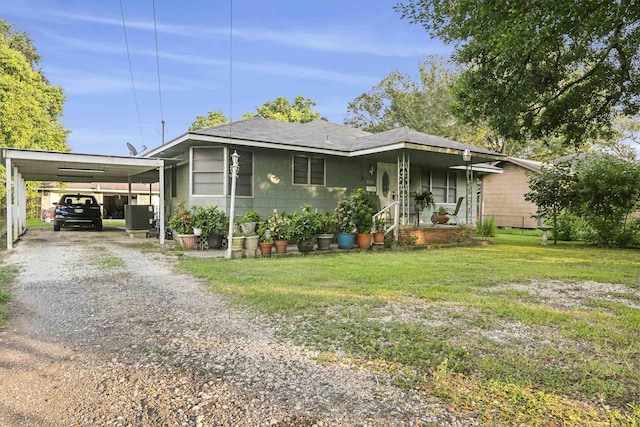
{"x": 8, "y": 170}
{"x": 161, "y": 203}
{"x": 403, "y": 187}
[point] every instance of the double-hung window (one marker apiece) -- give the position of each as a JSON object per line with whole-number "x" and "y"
{"x": 442, "y": 183}
{"x": 308, "y": 170}
{"x": 207, "y": 171}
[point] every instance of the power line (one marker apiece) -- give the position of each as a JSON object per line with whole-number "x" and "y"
{"x": 155, "y": 32}
{"x": 135, "y": 97}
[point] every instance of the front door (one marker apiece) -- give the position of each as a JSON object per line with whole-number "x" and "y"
{"x": 387, "y": 185}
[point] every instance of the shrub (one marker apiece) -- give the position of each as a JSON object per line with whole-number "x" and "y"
{"x": 487, "y": 227}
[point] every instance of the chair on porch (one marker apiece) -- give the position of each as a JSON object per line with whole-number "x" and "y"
{"x": 454, "y": 214}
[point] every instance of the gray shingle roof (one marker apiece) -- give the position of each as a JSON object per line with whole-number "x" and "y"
{"x": 322, "y": 134}
{"x": 316, "y": 134}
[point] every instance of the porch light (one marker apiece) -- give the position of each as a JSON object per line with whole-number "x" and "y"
{"x": 466, "y": 156}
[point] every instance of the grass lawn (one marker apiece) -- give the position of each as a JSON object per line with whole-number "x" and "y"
{"x": 514, "y": 332}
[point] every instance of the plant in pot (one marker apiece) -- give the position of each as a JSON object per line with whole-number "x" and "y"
{"x": 181, "y": 223}
{"x": 237, "y": 240}
{"x": 280, "y": 227}
{"x": 304, "y": 228}
{"x": 423, "y": 200}
{"x": 363, "y": 218}
{"x": 345, "y": 224}
{"x": 443, "y": 215}
{"x": 266, "y": 239}
{"x": 249, "y": 222}
{"x": 214, "y": 226}
{"x": 327, "y": 230}
{"x": 379, "y": 228}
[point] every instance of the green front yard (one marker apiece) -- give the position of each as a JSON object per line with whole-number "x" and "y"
{"x": 513, "y": 332}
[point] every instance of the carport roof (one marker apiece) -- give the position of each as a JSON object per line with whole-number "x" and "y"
{"x": 38, "y": 165}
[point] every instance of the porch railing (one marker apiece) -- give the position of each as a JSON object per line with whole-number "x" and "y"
{"x": 393, "y": 211}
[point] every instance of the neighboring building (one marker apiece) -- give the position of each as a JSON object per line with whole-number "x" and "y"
{"x": 502, "y": 195}
{"x": 284, "y": 165}
{"x": 112, "y": 196}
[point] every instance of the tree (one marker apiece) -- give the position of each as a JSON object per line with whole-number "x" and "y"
{"x": 30, "y": 107}
{"x": 538, "y": 69}
{"x": 550, "y": 191}
{"x": 214, "y": 118}
{"x": 606, "y": 193}
{"x": 281, "y": 109}
{"x": 423, "y": 104}
{"x": 399, "y": 100}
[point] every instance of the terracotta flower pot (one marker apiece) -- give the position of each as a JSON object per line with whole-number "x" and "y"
{"x": 378, "y": 238}
{"x": 363, "y": 240}
{"x": 265, "y": 248}
{"x": 188, "y": 242}
{"x": 281, "y": 246}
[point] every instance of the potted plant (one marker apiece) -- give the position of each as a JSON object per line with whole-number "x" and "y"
{"x": 214, "y": 226}
{"x": 181, "y": 223}
{"x": 237, "y": 240}
{"x": 249, "y": 221}
{"x": 423, "y": 200}
{"x": 280, "y": 227}
{"x": 379, "y": 227}
{"x": 443, "y": 215}
{"x": 266, "y": 239}
{"x": 327, "y": 230}
{"x": 304, "y": 228}
{"x": 363, "y": 218}
{"x": 345, "y": 225}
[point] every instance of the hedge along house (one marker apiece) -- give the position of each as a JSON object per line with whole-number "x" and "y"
{"x": 284, "y": 165}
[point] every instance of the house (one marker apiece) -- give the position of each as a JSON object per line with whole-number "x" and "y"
{"x": 284, "y": 165}
{"x": 502, "y": 195}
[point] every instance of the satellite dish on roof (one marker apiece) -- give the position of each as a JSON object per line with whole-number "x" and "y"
{"x": 132, "y": 150}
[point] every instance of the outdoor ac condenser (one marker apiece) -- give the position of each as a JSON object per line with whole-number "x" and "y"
{"x": 138, "y": 217}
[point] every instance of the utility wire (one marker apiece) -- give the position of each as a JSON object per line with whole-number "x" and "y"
{"x": 155, "y": 32}
{"x": 230, "y": 65}
{"x": 135, "y": 97}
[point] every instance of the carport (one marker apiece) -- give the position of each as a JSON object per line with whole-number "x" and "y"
{"x": 24, "y": 165}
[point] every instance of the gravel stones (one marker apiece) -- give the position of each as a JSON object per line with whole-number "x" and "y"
{"x": 140, "y": 345}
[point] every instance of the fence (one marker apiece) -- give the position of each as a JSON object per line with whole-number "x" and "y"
{"x": 514, "y": 221}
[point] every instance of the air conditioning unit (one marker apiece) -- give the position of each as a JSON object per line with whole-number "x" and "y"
{"x": 138, "y": 217}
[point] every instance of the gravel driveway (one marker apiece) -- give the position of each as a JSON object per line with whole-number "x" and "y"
{"x": 101, "y": 333}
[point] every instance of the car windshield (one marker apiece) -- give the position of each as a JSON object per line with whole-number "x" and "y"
{"x": 78, "y": 200}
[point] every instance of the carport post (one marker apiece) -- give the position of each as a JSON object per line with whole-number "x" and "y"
{"x": 9, "y": 204}
{"x": 161, "y": 207}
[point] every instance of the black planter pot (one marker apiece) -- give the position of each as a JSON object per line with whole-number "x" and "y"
{"x": 306, "y": 245}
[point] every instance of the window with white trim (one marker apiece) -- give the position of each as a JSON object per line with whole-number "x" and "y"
{"x": 207, "y": 171}
{"x": 308, "y": 170}
{"x": 441, "y": 183}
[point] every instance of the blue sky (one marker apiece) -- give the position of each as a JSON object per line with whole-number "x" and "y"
{"x": 330, "y": 51}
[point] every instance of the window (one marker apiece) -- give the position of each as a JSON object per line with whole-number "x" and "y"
{"x": 174, "y": 181}
{"x": 308, "y": 170}
{"x": 441, "y": 183}
{"x": 207, "y": 173}
{"x": 244, "y": 181}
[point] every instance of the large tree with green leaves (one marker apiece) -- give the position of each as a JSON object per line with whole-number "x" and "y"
{"x": 298, "y": 111}
{"x": 424, "y": 103}
{"x": 30, "y": 107}
{"x": 214, "y": 118}
{"x": 539, "y": 69}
